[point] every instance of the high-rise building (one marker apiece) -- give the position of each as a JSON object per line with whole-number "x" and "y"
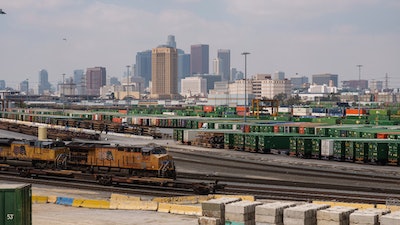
{"x": 171, "y": 41}
{"x": 143, "y": 66}
{"x": 24, "y": 87}
{"x": 217, "y": 67}
{"x": 327, "y": 79}
{"x": 183, "y": 65}
{"x": 278, "y": 75}
{"x": 95, "y": 78}
{"x": 375, "y": 85}
{"x": 199, "y": 59}
{"x": 2, "y": 84}
{"x": 44, "y": 84}
{"x": 299, "y": 82}
{"x": 164, "y": 76}
{"x": 80, "y": 81}
{"x": 225, "y": 56}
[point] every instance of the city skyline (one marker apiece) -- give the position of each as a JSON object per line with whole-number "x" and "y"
{"x": 303, "y": 38}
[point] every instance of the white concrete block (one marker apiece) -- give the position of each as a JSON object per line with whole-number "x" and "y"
{"x": 209, "y": 221}
{"x": 242, "y": 207}
{"x": 272, "y": 213}
{"x": 391, "y": 219}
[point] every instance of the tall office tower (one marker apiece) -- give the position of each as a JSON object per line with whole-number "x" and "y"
{"x": 143, "y": 66}
{"x": 44, "y": 84}
{"x": 183, "y": 65}
{"x": 225, "y": 56}
{"x": 278, "y": 75}
{"x": 217, "y": 67}
{"x": 24, "y": 87}
{"x": 2, "y": 84}
{"x": 95, "y": 78}
{"x": 80, "y": 81}
{"x": 299, "y": 82}
{"x": 326, "y": 79}
{"x": 171, "y": 41}
{"x": 164, "y": 75}
{"x": 199, "y": 59}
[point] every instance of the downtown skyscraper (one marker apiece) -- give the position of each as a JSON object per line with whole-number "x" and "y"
{"x": 199, "y": 59}
{"x": 44, "y": 84}
{"x": 95, "y": 78}
{"x": 224, "y": 55}
{"x": 143, "y": 66}
{"x": 164, "y": 72}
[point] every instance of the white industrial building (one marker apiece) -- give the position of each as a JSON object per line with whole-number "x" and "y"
{"x": 193, "y": 86}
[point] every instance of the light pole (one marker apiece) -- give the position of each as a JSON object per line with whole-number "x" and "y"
{"x": 62, "y": 92}
{"x": 359, "y": 88}
{"x": 245, "y": 84}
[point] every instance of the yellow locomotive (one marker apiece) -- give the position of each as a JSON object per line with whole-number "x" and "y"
{"x": 101, "y": 159}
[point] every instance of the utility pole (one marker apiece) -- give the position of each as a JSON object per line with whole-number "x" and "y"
{"x": 245, "y": 84}
{"x": 359, "y": 88}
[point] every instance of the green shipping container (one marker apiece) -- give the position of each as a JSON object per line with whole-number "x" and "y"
{"x": 378, "y": 152}
{"x": 360, "y": 151}
{"x": 394, "y": 153}
{"x": 339, "y": 147}
{"x": 293, "y": 146}
{"x": 15, "y": 204}
{"x": 349, "y": 151}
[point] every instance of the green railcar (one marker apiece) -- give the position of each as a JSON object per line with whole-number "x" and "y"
{"x": 239, "y": 141}
{"x": 251, "y": 143}
{"x": 378, "y": 152}
{"x": 339, "y": 147}
{"x": 316, "y": 148}
{"x": 304, "y": 147}
{"x": 293, "y": 146}
{"x": 360, "y": 151}
{"x": 349, "y": 150}
{"x": 229, "y": 140}
{"x": 394, "y": 153}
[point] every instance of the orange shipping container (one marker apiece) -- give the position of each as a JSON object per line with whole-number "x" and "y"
{"x": 123, "y": 111}
{"x": 355, "y": 112}
{"x": 208, "y": 108}
{"x": 117, "y": 120}
{"x": 240, "y": 108}
{"x": 301, "y": 130}
{"x": 382, "y": 136}
{"x": 276, "y": 129}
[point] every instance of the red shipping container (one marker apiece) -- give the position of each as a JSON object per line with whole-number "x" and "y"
{"x": 301, "y": 130}
{"x": 355, "y": 112}
{"x": 382, "y": 136}
{"x": 208, "y": 108}
{"x": 276, "y": 129}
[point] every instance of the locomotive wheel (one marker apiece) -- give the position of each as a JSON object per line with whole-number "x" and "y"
{"x": 104, "y": 180}
{"x": 24, "y": 173}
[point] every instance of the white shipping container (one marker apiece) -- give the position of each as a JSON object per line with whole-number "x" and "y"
{"x": 302, "y": 111}
{"x": 327, "y": 148}
{"x": 284, "y": 109}
{"x": 190, "y": 135}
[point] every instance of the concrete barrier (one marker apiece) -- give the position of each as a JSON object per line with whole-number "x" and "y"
{"x": 346, "y": 204}
{"x": 118, "y": 201}
{"x": 185, "y": 209}
{"x": 164, "y": 207}
{"x": 52, "y": 199}
{"x": 64, "y": 201}
{"x": 183, "y": 199}
{"x": 392, "y": 208}
{"x": 241, "y": 197}
{"x": 90, "y": 203}
{"x": 39, "y": 199}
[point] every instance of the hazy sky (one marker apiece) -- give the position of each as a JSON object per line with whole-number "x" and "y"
{"x": 295, "y": 36}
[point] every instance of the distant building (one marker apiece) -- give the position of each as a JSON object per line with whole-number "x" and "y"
{"x": 80, "y": 81}
{"x": 375, "y": 85}
{"x": 322, "y": 89}
{"x": 299, "y": 82}
{"x": 67, "y": 87}
{"x": 24, "y": 87}
{"x": 95, "y": 78}
{"x": 171, "y": 41}
{"x": 278, "y": 75}
{"x": 225, "y": 65}
{"x": 194, "y": 86}
{"x": 164, "y": 73}
{"x": 236, "y": 75}
{"x": 44, "y": 85}
{"x": 327, "y": 79}
{"x": 211, "y": 79}
{"x": 114, "y": 81}
{"x": 143, "y": 66}
{"x": 354, "y": 85}
{"x": 265, "y": 87}
{"x": 217, "y": 67}
{"x": 2, "y": 84}
{"x": 199, "y": 59}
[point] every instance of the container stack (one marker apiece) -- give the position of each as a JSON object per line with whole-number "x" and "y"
{"x": 302, "y": 215}
{"x": 241, "y": 213}
{"x": 213, "y": 211}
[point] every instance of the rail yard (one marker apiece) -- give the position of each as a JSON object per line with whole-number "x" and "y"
{"x": 297, "y": 160}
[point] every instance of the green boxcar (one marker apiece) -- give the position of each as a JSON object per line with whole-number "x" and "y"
{"x": 316, "y": 148}
{"x": 251, "y": 142}
{"x": 293, "y": 146}
{"x": 394, "y": 153}
{"x": 229, "y": 140}
{"x": 339, "y": 147}
{"x": 15, "y": 204}
{"x": 360, "y": 151}
{"x": 304, "y": 147}
{"x": 349, "y": 150}
{"x": 239, "y": 141}
{"x": 378, "y": 152}
{"x": 178, "y": 135}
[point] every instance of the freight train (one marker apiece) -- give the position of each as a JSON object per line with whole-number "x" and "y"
{"x": 100, "y": 159}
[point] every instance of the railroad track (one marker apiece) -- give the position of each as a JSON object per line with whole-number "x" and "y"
{"x": 272, "y": 180}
